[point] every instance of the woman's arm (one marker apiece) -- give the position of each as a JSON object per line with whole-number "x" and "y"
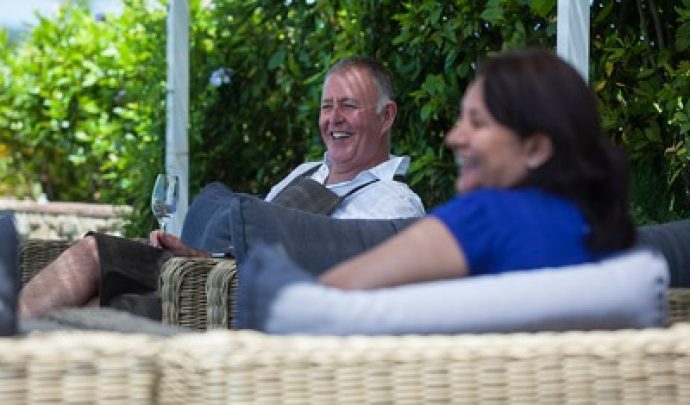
{"x": 424, "y": 251}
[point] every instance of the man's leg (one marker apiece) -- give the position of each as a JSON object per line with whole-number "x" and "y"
{"x": 70, "y": 281}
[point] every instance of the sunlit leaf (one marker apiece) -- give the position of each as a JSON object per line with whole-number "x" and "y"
{"x": 542, "y": 7}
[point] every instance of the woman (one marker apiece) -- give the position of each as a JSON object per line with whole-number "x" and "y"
{"x": 539, "y": 184}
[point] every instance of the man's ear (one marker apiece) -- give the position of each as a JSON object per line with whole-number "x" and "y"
{"x": 539, "y": 149}
{"x": 389, "y": 112}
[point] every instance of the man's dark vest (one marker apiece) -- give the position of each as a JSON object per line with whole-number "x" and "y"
{"x": 304, "y": 193}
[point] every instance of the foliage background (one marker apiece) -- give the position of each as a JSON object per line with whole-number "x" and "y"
{"x": 82, "y": 108}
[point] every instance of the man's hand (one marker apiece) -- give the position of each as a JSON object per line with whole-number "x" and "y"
{"x": 171, "y": 243}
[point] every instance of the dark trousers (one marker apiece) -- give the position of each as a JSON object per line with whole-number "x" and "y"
{"x": 129, "y": 275}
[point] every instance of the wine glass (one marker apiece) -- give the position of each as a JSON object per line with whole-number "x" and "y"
{"x": 164, "y": 198}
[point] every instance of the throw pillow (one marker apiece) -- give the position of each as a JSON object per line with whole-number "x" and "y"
{"x": 9, "y": 275}
{"x": 207, "y": 224}
{"x": 672, "y": 239}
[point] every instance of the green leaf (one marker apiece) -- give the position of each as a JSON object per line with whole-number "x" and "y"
{"x": 542, "y": 7}
{"x": 426, "y": 112}
{"x": 493, "y": 12}
{"x": 436, "y": 15}
{"x": 82, "y": 136}
{"x": 653, "y": 132}
{"x": 276, "y": 60}
{"x": 683, "y": 37}
{"x": 604, "y": 13}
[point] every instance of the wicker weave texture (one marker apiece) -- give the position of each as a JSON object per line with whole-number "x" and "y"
{"x": 221, "y": 280}
{"x": 678, "y": 306}
{"x": 79, "y": 367}
{"x": 35, "y": 254}
{"x": 579, "y": 367}
{"x": 183, "y": 291}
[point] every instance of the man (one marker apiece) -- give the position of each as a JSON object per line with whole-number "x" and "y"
{"x": 355, "y": 180}
{"x": 357, "y": 113}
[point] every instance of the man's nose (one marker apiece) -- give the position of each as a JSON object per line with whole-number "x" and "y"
{"x": 337, "y": 113}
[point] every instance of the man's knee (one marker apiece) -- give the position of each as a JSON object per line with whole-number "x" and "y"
{"x": 88, "y": 241}
{"x": 88, "y": 247}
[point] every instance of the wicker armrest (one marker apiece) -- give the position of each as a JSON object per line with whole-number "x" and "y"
{"x": 221, "y": 287}
{"x": 194, "y": 292}
{"x": 678, "y": 305}
{"x": 198, "y": 293}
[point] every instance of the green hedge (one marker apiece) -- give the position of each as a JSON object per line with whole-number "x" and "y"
{"x": 82, "y": 100}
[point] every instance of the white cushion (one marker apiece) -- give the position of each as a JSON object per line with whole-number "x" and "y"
{"x": 626, "y": 291}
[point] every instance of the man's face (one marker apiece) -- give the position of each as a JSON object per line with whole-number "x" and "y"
{"x": 351, "y": 128}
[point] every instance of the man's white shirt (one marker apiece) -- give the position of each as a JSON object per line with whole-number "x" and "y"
{"x": 383, "y": 199}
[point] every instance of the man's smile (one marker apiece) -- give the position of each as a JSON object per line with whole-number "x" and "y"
{"x": 340, "y": 134}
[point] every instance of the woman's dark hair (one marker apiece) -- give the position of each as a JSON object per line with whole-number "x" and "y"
{"x": 534, "y": 91}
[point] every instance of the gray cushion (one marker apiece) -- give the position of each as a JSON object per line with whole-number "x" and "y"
{"x": 207, "y": 224}
{"x": 315, "y": 242}
{"x": 626, "y": 291}
{"x": 9, "y": 277}
{"x": 672, "y": 239}
{"x": 97, "y": 319}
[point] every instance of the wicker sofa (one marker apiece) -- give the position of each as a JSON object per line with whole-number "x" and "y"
{"x": 243, "y": 367}
{"x": 638, "y": 366}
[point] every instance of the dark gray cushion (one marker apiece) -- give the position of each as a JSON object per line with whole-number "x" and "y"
{"x": 315, "y": 242}
{"x": 97, "y": 319}
{"x": 672, "y": 239}
{"x": 625, "y": 291}
{"x": 207, "y": 224}
{"x": 9, "y": 277}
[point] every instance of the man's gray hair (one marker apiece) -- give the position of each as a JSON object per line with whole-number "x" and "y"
{"x": 381, "y": 75}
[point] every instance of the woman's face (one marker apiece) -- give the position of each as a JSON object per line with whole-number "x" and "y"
{"x": 487, "y": 153}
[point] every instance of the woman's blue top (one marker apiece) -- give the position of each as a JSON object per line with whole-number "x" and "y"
{"x": 522, "y": 229}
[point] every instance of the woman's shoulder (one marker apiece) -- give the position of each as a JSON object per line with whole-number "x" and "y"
{"x": 499, "y": 203}
{"x": 503, "y": 196}
{"x": 531, "y": 195}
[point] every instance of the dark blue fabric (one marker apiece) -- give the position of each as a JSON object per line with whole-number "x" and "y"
{"x": 266, "y": 270}
{"x": 207, "y": 224}
{"x": 9, "y": 275}
{"x": 506, "y": 230}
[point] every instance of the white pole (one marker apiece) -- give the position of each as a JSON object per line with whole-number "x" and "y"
{"x": 572, "y": 34}
{"x": 177, "y": 106}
